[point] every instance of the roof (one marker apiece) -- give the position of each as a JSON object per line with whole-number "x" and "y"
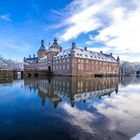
{"x": 54, "y": 47}
{"x": 42, "y": 47}
{"x": 31, "y": 60}
{"x": 93, "y": 94}
{"x": 82, "y": 53}
{"x": 63, "y": 54}
{"x": 43, "y": 59}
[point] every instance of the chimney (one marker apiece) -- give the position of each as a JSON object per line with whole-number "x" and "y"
{"x": 85, "y": 48}
{"x": 33, "y": 55}
{"x": 60, "y": 49}
{"x": 29, "y": 56}
{"x": 73, "y": 45}
{"x": 110, "y": 54}
{"x": 118, "y": 59}
{"x": 101, "y": 52}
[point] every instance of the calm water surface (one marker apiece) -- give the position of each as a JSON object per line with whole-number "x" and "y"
{"x": 68, "y": 108}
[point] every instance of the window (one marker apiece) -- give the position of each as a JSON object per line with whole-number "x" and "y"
{"x": 81, "y": 66}
{"x": 63, "y": 67}
{"x": 86, "y": 67}
{"x": 87, "y": 61}
{"x": 68, "y": 60}
{"x": 68, "y": 66}
{"x": 78, "y": 66}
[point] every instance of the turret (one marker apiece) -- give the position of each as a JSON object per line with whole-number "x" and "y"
{"x": 42, "y": 47}
{"x": 54, "y": 47}
{"x": 42, "y": 50}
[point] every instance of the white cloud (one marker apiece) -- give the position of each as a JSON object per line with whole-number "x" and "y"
{"x": 57, "y": 12}
{"x": 125, "y": 31}
{"x": 80, "y": 118}
{"x": 119, "y": 111}
{"x": 118, "y": 22}
{"x": 5, "y": 17}
{"x": 82, "y": 19}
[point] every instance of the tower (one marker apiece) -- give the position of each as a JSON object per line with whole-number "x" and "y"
{"x": 54, "y": 48}
{"x": 42, "y": 50}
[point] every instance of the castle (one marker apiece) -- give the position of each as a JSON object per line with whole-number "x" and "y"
{"x": 70, "y": 62}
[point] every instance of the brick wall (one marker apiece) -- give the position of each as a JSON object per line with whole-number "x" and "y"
{"x": 73, "y": 66}
{"x": 88, "y": 67}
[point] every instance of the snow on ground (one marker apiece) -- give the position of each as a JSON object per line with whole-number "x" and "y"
{"x": 136, "y": 137}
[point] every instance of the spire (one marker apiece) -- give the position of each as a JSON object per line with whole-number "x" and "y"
{"x": 55, "y": 41}
{"x": 42, "y": 47}
{"x": 42, "y": 42}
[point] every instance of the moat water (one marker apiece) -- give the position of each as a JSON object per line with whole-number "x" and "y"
{"x": 70, "y": 108}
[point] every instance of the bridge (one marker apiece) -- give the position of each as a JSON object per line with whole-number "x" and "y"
{"x": 37, "y": 73}
{"x": 18, "y": 73}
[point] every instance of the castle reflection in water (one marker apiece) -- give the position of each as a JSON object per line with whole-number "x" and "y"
{"x": 73, "y": 89}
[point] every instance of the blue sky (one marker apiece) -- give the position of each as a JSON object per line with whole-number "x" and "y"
{"x": 112, "y": 26}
